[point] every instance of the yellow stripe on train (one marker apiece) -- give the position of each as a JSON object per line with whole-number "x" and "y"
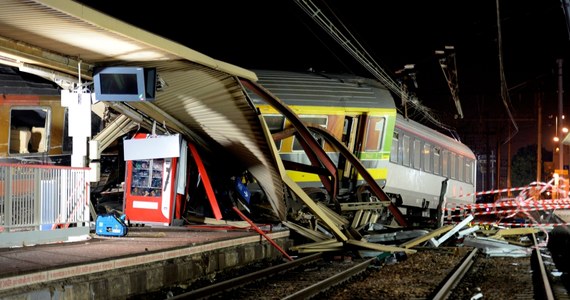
{"x": 377, "y": 174}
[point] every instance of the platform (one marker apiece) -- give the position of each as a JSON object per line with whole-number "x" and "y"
{"x": 144, "y": 261}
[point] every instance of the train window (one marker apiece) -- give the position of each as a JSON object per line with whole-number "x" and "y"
{"x": 460, "y": 168}
{"x": 406, "y": 151}
{"x": 374, "y": 133}
{"x": 468, "y": 171}
{"x": 394, "y": 148}
{"x": 417, "y": 153}
{"x": 29, "y": 130}
{"x": 275, "y": 123}
{"x": 445, "y": 164}
{"x": 314, "y": 120}
{"x": 436, "y": 159}
{"x": 452, "y": 166}
{"x": 426, "y": 156}
{"x": 67, "y": 140}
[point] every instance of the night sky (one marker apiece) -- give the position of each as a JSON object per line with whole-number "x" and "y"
{"x": 258, "y": 34}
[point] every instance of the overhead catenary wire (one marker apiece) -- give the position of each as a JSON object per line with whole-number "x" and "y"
{"x": 503, "y": 82}
{"x": 354, "y": 48}
{"x": 359, "y": 54}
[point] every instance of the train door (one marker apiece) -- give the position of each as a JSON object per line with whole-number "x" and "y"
{"x": 350, "y": 140}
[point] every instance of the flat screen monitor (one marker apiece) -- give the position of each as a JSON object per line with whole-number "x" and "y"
{"x": 124, "y": 83}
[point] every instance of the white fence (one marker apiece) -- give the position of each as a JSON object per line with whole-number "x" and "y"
{"x": 42, "y": 204}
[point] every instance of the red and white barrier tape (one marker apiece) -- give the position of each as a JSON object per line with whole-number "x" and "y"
{"x": 533, "y": 203}
{"x": 531, "y": 185}
{"x": 514, "y": 224}
{"x": 508, "y": 211}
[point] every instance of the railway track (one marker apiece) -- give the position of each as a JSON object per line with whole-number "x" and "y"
{"x": 431, "y": 273}
{"x": 511, "y": 278}
{"x": 299, "y": 279}
{"x": 316, "y": 277}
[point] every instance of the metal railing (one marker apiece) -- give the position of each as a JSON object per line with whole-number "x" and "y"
{"x": 38, "y": 199}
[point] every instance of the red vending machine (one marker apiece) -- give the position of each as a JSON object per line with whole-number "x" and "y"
{"x": 151, "y": 179}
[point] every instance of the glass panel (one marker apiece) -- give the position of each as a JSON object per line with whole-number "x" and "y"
{"x": 468, "y": 171}
{"x": 374, "y": 133}
{"x": 28, "y": 130}
{"x": 452, "y": 165}
{"x": 406, "y": 151}
{"x": 394, "y": 148}
{"x": 460, "y": 168}
{"x": 67, "y": 140}
{"x": 147, "y": 177}
{"x": 427, "y": 157}
{"x": 445, "y": 164}
{"x": 275, "y": 123}
{"x": 417, "y": 154}
{"x": 321, "y": 121}
{"x": 436, "y": 160}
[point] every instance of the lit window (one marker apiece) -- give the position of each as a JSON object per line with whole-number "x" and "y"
{"x": 317, "y": 120}
{"x": 28, "y": 130}
{"x": 394, "y": 148}
{"x": 445, "y": 164}
{"x": 426, "y": 155}
{"x": 436, "y": 159}
{"x": 452, "y": 165}
{"x": 374, "y": 134}
{"x": 406, "y": 151}
{"x": 275, "y": 123}
{"x": 417, "y": 154}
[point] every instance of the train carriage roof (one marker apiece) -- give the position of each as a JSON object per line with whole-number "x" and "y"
{"x": 200, "y": 97}
{"x": 18, "y": 83}
{"x": 433, "y": 137}
{"x": 323, "y": 89}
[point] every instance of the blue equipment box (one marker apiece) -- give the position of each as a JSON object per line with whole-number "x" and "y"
{"x": 111, "y": 225}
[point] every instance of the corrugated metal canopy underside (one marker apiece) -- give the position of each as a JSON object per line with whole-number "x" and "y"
{"x": 201, "y": 99}
{"x": 60, "y": 33}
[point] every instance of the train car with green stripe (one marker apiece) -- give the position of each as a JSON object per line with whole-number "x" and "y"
{"x": 358, "y": 111}
{"x": 420, "y": 169}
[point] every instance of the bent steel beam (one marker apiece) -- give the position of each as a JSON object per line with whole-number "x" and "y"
{"x": 376, "y": 189}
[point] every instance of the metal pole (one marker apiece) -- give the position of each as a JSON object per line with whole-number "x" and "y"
{"x": 539, "y": 140}
{"x": 560, "y": 118}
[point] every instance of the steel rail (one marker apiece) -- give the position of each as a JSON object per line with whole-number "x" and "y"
{"x": 546, "y": 288}
{"x": 316, "y": 288}
{"x": 223, "y": 286}
{"x": 457, "y": 275}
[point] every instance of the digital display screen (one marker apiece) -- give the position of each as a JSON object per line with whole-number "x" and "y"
{"x": 119, "y": 84}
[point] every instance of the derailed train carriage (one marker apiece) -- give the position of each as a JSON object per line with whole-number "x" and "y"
{"x": 417, "y": 167}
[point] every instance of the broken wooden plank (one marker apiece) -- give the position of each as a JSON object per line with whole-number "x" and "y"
{"x": 421, "y": 239}
{"x": 332, "y": 243}
{"x": 333, "y": 215}
{"x": 451, "y": 232}
{"x": 212, "y": 221}
{"x": 364, "y": 205}
{"x": 515, "y": 231}
{"x": 308, "y": 233}
{"x": 379, "y": 247}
